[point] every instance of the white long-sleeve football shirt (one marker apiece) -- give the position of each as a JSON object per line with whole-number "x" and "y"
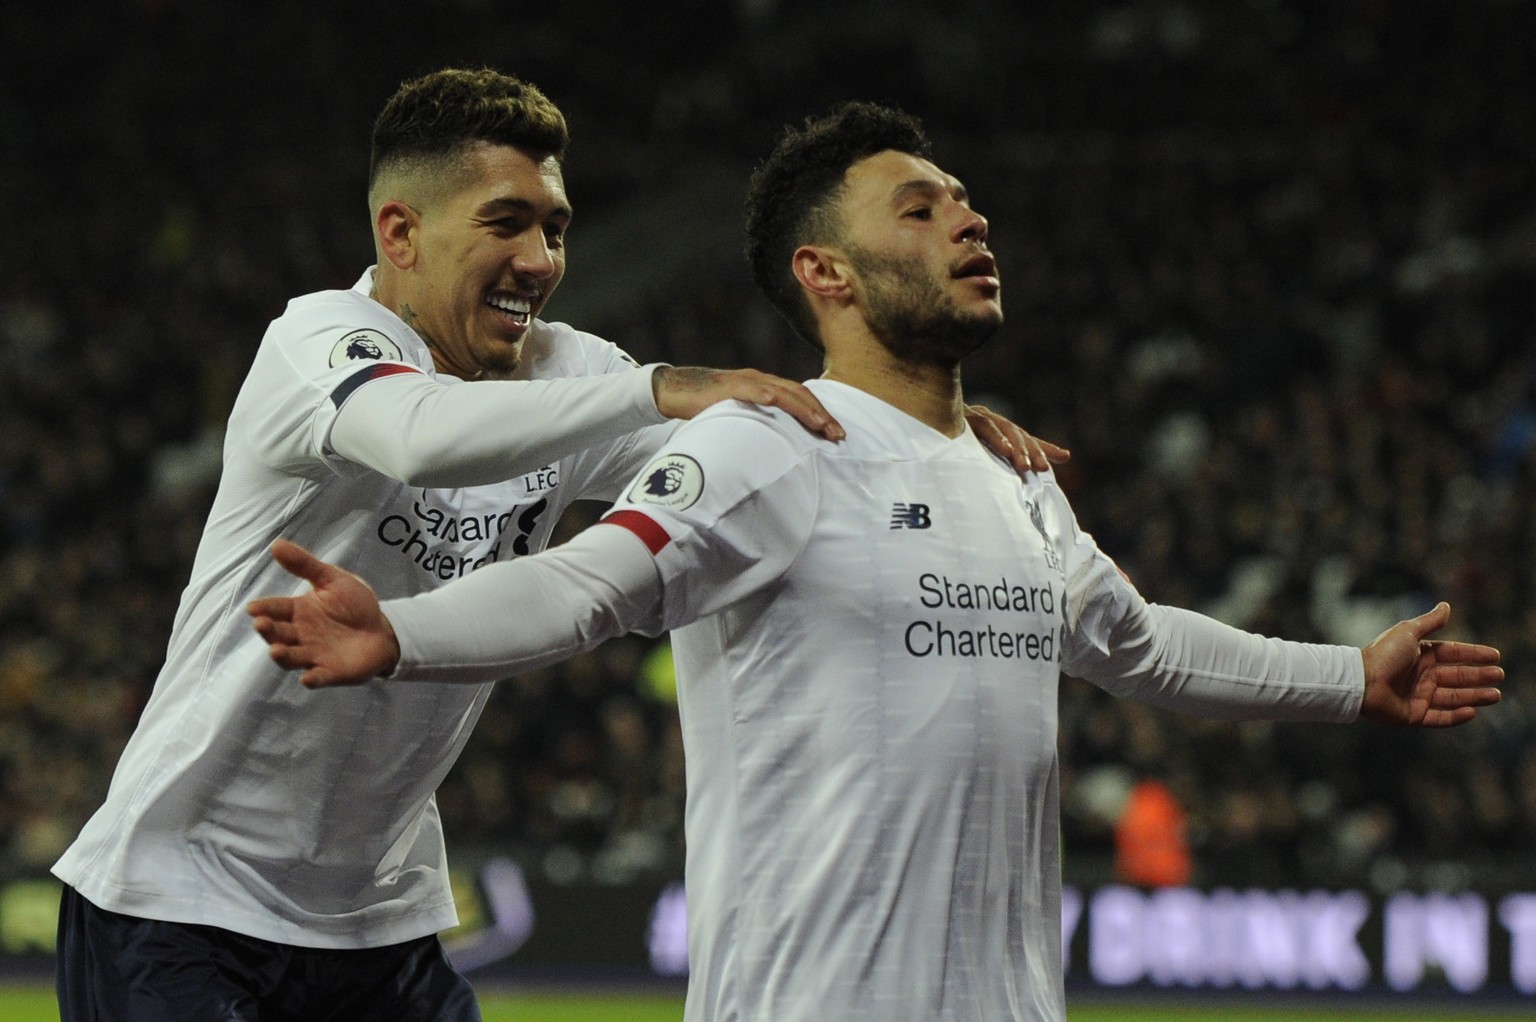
{"x": 869, "y": 638}
{"x": 243, "y": 800}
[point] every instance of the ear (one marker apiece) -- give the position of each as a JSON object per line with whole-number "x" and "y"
{"x": 822, "y": 272}
{"x": 396, "y": 224}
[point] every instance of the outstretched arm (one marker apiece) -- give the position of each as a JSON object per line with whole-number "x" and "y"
{"x": 1412, "y": 680}
{"x": 1194, "y": 664}
{"x": 501, "y": 620}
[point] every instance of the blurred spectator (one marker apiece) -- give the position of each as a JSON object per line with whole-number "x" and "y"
{"x": 1151, "y": 838}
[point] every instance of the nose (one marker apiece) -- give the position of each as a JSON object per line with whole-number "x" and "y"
{"x": 971, "y": 228}
{"x": 533, "y": 257}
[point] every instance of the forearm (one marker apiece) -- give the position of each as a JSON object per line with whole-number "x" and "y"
{"x": 1193, "y": 664}
{"x": 520, "y": 615}
{"x": 425, "y": 433}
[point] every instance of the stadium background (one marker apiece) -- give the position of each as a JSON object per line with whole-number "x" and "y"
{"x": 1271, "y": 274}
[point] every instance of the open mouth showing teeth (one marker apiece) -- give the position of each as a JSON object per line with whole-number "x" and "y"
{"x": 516, "y": 308}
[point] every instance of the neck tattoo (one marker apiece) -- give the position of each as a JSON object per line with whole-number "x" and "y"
{"x": 408, "y": 316}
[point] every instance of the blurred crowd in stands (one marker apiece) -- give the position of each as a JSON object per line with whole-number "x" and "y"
{"x": 1270, "y": 272}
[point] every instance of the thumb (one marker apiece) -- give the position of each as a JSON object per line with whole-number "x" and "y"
{"x": 302, "y": 563}
{"x": 1431, "y": 621}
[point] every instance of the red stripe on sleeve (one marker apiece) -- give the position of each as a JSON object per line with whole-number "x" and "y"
{"x": 652, "y": 535}
{"x": 362, "y": 376}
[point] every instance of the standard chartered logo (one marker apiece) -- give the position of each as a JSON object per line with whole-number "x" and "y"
{"x": 448, "y": 546}
{"x": 1031, "y": 629}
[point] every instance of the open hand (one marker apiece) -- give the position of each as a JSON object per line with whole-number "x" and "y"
{"x": 1412, "y": 680}
{"x": 335, "y": 633}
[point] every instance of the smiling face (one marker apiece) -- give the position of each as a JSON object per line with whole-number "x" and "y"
{"x": 478, "y": 257}
{"x": 928, "y": 286}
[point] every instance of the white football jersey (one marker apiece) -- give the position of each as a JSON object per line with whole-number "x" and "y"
{"x": 244, "y": 800}
{"x": 869, "y": 638}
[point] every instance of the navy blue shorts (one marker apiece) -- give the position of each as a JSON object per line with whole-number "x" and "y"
{"x": 117, "y": 968}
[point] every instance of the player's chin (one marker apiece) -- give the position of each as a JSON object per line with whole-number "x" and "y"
{"x": 992, "y": 301}
{"x": 982, "y": 305}
{"x": 500, "y": 355}
{"x": 985, "y": 317}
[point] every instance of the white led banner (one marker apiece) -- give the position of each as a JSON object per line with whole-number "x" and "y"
{"x": 1338, "y": 942}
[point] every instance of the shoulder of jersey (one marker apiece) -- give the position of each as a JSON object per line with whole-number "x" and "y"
{"x": 731, "y": 442}
{"x": 766, "y": 417}
{"x": 559, "y": 349}
{"x": 345, "y": 301}
{"x": 756, "y": 435}
{"x": 353, "y": 329}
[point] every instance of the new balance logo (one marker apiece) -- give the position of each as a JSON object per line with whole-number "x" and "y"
{"x": 910, "y": 516}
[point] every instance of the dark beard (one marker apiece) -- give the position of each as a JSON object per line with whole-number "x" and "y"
{"x": 912, "y": 316}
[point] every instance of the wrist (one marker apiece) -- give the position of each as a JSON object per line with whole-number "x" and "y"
{"x": 658, "y": 380}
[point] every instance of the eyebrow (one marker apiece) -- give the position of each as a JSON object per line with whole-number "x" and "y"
{"x": 927, "y": 189}
{"x": 507, "y": 204}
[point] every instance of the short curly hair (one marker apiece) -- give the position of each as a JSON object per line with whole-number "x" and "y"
{"x": 791, "y": 200}
{"x": 436, "y": 115}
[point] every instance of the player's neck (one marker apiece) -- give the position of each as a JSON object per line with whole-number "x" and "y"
{"x": 928, "y": 392}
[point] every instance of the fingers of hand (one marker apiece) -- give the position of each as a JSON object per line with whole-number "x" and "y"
{"x": 1015, "y": 444}
{"x": 1039, "y": 457}
{"x": 320, "y": 677}
{"x": 1448, "y": 718}
{"x": 1002, "y": 443}
{"x": 1466, "y": 686}
{"x": 798, "y": 401}
{"x": 1003, "y": 436}
{"x": 278, "y": 632}
{"x": 1055, "y": 453}
{"x": 1005, "y": 440}
{"x": 298, "y": 561}
{"x": 1463, "y": 698}
{"x": 1448, "y": 652}
{"x": 285, "y": 656}
{"x": 278, "y": 608}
